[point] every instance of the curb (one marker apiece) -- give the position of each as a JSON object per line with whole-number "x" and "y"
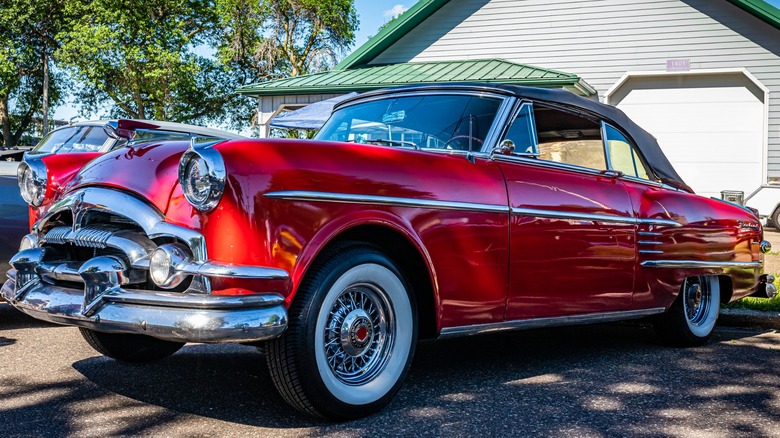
{"x": 749, "y": 318}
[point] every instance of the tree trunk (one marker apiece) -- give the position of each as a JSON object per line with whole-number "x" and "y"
{"x": 5, "y": 120}
{"x": 45, "y": 109}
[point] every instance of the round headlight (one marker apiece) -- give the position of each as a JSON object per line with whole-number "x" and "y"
{"x": 32, "y": 180}
{"x": 166, "y": 263}
{"x": 28, "y": 242}
{"x": 202, "y": 178}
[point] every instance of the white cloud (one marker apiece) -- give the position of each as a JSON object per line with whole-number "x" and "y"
{"x": 395, "y": 11}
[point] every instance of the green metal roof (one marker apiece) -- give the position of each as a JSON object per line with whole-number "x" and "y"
{"x": 761, "y": 9}
{"x": 425, "y": 8}
{"x": 374, "y": 77}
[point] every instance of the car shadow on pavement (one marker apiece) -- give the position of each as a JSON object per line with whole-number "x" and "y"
{"x": 11, "y": 318}
{"x": 606, "y": 379}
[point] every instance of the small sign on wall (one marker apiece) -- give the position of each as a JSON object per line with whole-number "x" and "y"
{"x": 678, "y": 65}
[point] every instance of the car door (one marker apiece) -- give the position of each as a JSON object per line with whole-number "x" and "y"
{"x": 572, "y": 231}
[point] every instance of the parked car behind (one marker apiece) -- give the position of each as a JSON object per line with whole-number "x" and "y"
{"x": 82, "y": 141}
{"x": 419, "y": 212}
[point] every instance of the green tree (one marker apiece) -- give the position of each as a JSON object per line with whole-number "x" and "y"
{"x": 152, "y": 59}
{"x": 278, "y": 38}
{"x": 139, "y": 55}
{"x": 27, "y": 84}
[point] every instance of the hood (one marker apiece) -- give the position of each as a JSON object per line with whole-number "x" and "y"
{"x": 149, "y": 170}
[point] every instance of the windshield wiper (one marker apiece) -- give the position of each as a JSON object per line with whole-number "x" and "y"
{"x": 388, "y": 142}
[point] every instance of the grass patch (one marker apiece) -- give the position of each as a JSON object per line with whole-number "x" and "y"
{"x": 753, "y": 303}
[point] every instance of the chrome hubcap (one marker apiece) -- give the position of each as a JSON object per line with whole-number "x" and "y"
{"x": 697, "y": 300}
{"x": 359, "y": 333}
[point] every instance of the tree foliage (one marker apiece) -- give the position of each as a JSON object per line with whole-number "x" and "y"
{"x": 139, "y": 56}
{"x": 27, "y": 41}
{"x": 178, "y": 60}
{"x": 277, "y": 38}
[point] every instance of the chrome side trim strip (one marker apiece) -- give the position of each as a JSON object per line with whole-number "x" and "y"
{"x": 658, "y": 222}
{"x": 299, "y": 195}
{"x": 697, "y": 264}
{"x": 650, "y": 242}
{"x": 215, "y": 269}
{"x": 649, "y": 233}
{"x": 532, "y": 212}
{"x": 650, "y": 251}
{"x": 558, "y": 321}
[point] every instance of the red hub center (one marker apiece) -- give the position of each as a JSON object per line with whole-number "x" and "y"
{"x": 361, "y": 334}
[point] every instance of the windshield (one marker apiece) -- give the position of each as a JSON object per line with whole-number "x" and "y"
{"x": 456, "y": 122}
{"x": 73, "y": 139}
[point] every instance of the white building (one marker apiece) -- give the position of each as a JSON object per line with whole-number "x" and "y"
{"x": 703, "y": 76}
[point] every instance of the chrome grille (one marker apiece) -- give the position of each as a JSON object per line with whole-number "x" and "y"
{"x": 88, "y": 237}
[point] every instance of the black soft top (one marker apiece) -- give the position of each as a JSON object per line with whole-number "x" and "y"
{"x": 646, "y": 143}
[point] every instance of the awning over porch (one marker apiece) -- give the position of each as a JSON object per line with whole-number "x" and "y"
{"x": 375, "y": 77}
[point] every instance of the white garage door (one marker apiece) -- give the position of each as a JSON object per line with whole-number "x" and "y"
{"x": 710, "y": 127}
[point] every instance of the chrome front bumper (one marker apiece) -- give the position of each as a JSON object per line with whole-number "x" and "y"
{"x": 171, "y": 316}
{"x": 106, "y": 292}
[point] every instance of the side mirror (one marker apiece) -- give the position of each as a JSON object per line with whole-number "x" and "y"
{"x": 506, "y": 147}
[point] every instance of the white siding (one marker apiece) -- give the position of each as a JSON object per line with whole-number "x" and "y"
{"x": 600, "y": 40}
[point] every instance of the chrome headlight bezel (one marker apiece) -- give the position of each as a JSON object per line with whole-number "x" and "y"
{"x": 171, "y": 259}
{"x": 32, "y": 178}
{"x": 212, "y": 169}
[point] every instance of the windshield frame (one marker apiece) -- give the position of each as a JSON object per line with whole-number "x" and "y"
{"x": 505, "y": 105}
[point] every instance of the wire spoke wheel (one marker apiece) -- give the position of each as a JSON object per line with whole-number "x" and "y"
{"x": 691, "y": 319}
{"x": 359, "y": 333}
{"x": 696, "y": 299}
{"x": 351, "y": 338}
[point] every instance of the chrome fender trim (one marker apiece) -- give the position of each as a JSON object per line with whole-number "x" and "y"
{"x": 698, "y": 264}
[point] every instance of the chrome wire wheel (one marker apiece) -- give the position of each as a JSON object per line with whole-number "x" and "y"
{"x": 359, "y": 331}
{"x": 351, "y": 337}
{"x": 696, "y": 300}
{"x": 701, "y": 304}
{"x": 364, "y": 334}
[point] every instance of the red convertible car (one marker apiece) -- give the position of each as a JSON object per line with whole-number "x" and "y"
{"x": 421, "y": 212}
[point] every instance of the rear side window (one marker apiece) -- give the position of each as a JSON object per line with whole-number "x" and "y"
{"x": 73, "y": 139}
{"x": 568, "y": 138}
{"x": 623, "y": 156}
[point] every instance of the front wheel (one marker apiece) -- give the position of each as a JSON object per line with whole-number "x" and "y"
{"x": 691, "y": 319}
{"x": 351, "y": 338}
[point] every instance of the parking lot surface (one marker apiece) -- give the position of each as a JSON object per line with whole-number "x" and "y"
{"x": 605, "y": 380}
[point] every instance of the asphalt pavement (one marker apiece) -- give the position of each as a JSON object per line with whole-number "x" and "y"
{"x": 603, "y": 380}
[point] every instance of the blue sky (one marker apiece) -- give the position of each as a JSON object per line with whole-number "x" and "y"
{"x": 374, "y": 13}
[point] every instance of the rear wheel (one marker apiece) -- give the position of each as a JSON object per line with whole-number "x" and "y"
{"x": 130, "y": 348}
{"x": 351, "y": 339}
{"x": 691, "y": 319}
{"x": 776, "y": 219}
